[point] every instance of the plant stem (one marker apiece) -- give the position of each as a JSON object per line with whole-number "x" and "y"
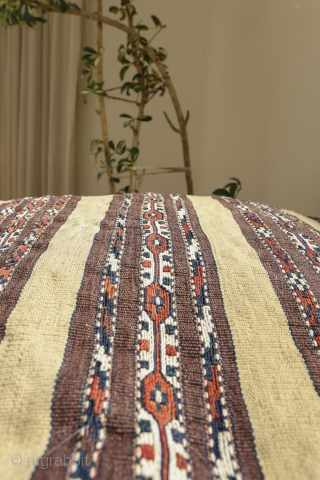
{"x": 121, "y": 99}
{"x": 141, "y": 107}
{"x": 98, "y": 17}
{"x": 181, "y": 120}
{"x": 102, "y": 108}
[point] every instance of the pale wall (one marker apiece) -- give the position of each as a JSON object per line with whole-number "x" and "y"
{"x": 249, "y": 72}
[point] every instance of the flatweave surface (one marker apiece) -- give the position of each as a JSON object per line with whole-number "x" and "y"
{"x": 158, "y": 337}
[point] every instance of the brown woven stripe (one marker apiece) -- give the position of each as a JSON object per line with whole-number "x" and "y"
{"x": 26, "y": 230}
{"x": 10, "y": 294}
{"x": 298, "y": 330}
{"x": 241, "y": 424}
{"x": 67, "y": 399}
{"x": 304, "y": 227}
{"x": 118, "y": 450}
{"x": 289, "y": 305}
{"x": 8, "y": 218}
{"x": 189, "y": 345}
{"x": 301, "y": 221}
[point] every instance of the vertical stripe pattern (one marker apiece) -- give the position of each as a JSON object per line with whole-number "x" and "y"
{"x": 159, "y": 402}
{"x": 158, "y": 337}
{"x": 16, "y": 227}
{"x": 24, "y": 246}
{"x": 282, "y": 288}
{"x": 191, "y": 365}
{"x": 96, "y": 396}
{"x": 36, "y": 336}
{"x": 117, "y": 454}
{"x": 301, "y": 290}
{"x": 17, "y": 262}
{"x": 69, "y": 392}
{"x": 275, "y": 383}
{"x": 220, "y": 442}
{"x": 243, "y": 437}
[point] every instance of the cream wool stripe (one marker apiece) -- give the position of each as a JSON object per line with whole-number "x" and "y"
{"x": 32, "y": 350}
{"x": 310, "y": 221}
{"x": 268, "y": 360}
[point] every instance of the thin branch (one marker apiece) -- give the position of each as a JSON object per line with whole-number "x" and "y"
{"x": 187, "y": 118}
{"x": 154, "y": 36}
{"x": 98, "y": 17}
{"x": 161, "y": 68}
{"x": 141, "y": 107}
{"x": 102, "y": 108}
{"x": 176, "y": 169}
{"x": 154, "y": 93}
{"x": 140, "y": 178}
{"x": 122, "y": 99}
{"x": 114, "y": 88}
{"x": 163, "y": 171}
{"x": 171, "y": 124}
{"x": 175, "y": 100}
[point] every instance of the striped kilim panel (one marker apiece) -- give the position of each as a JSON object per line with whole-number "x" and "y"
{"x": 158, "y": 337}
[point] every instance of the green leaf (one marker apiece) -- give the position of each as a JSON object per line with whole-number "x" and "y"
{"x": 114, "y": 179}
{"x": 100, "y": 175}
{"x": 123, "y": 14}
{"x": 111, "y": 145}
{"x": 28, "y": 18}
{"x": 125, "y": 189}
{"x": 134, "y": 153}
{"x": 145, "y": 118}
{"x": 122, "y": 163}
{"x": 141, "y": 27}
{"x": 126, "y": 86}
{"x": 236, "y": 180}
{"x": 125, "y": 115}
{"x": 43, "y": 20}
{"x": 137, "y": 76}
{"x": 123, "y": 71}
{"x": 221, "y": 192}
{"x": 74, "y": 5}
{"x": 121, "y": 147}
{"x": 122, "y": 57}
{"x": 63, "y": 6}
{"x": 90, "y": 50}
{"x": 230, "y": 185}
{"x": 114, "y": 9}
{"x": 156, "y": 21}
{"x": 110, "y": 160}
{"x": 155, "y": 73}
{"x": 233, "y": 190}
{"x": 146, "y": 57}
{"x": 131, "y": 9}
{"x": 162, "y": 54}
{"x": 125, "y": 161}
{"x": 143, "y": 41}
{"x": 127, "y": 123}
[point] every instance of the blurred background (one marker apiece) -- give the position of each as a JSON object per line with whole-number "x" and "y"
{"x": 248, "y": 71}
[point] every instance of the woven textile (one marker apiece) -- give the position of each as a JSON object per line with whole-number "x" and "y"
{"x": 156, "y": 337}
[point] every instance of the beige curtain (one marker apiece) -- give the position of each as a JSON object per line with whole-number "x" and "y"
{"x": 38, "y": 86}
